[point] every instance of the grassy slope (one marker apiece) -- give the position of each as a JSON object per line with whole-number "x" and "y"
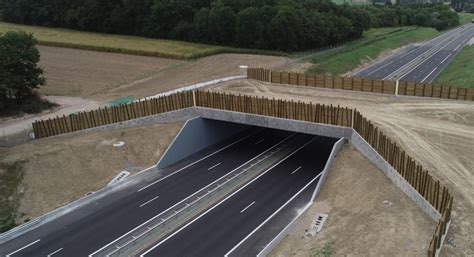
{"x": 11, "y": 175}
{"x": 465, "y": 17}
{"x": 124, "y": 44}
{"x": 460, "y": 71}
{"x": 370, "y": 46}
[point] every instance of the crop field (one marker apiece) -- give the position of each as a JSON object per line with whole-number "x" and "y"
{"x": 123, "y": 44}
{"x": 373, "y": 44}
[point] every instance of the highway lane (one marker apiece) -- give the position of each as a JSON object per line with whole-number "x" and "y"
{"x": 226, "y": 224}
{"x": 81, "y": 236}
{"x": 421, "y": 62}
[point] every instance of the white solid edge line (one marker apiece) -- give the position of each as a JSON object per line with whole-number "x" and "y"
{"x": 115, "y": 240}
{"x": 149, "y": 201}
{"x": 225, "y": 199}
{"x": 30, "y": 244}
{"x": 214, "y": 166}
{"x": 429, "y": 74}
{"x": 297, "y": 169}
{"x": 51, "y": 254}
{"x": 446, "y": 57}
{"x": 248, "y": 206}
{"x": 305, "y": 208}
{"x": 191, "y": 164}
{"x": 273, "y": 215}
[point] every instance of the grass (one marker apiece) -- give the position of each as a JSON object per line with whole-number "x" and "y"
{"x": 11, "y": 175}
{"x": 373, "y": 43}
{"x": 460, "y": 71}
{"x": 465, "y": 17}
{"x": 125, "y": 44}
{"x": 326, "y": 251}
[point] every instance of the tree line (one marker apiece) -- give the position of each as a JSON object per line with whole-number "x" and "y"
{"x": 285, "y": 25}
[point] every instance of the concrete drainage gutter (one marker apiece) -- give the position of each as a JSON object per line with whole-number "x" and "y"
{"x": 269, "y": 247}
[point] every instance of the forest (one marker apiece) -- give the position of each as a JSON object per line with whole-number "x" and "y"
{"x": 284, "y": 25}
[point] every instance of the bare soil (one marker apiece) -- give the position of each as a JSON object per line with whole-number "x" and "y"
{"x": 439, "y": 134}
{"x": 365, "y": 215}
{"x": 61, "y": 169}
{"x": 107, "y": 76}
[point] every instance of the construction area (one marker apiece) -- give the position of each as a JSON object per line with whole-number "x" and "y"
{"x": 87, "y": 142}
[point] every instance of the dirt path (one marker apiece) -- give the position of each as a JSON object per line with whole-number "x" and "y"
{"x": 438, "y": 133}
{"x": 67, "y": 105}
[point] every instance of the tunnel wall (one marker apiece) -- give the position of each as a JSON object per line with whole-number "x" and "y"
{"x": 197, "y": 134}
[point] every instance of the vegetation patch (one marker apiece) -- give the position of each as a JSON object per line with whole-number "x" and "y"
{"x": 465, "y": 17}
{"x": 327, "y": 250}
{"x": 460, "y": 71}
{"x": 125, "y": 44}
{"x": 374, "y": 42}
{"x": 11, "y": 175}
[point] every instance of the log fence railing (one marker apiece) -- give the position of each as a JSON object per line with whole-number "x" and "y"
{"x": 419, "y": 178}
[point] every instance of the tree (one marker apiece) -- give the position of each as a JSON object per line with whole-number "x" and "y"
{"x": 285, "y": 29}
{"x": 221, "y": 24}
{"x": 247, "y": 28}
{"x": 19, "y": 71}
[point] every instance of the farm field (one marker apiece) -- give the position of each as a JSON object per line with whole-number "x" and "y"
{"x": 375, "y": 43}
{"x": 459, "y": 71}
{"x": 107, "y": 76}
{"x": 437, "y": 133}
{"x": 122, "y": 44}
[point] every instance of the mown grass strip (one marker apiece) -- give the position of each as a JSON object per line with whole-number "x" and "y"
{"x": 125, "y": 44}
{"x": 374, "y": 42}
{"x": 460, "y": 71}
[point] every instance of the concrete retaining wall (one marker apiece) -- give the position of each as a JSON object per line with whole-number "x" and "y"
{"x": 277, "y": 123}
{"x": 366, "y": 149}
{"x": 196, "y": 135}
{"x": 335, "y": 149}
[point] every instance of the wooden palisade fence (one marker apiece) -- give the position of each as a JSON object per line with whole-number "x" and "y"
{"x": 333, "y": 115}
{"x": 109, "y": 115}
{"x": 362, "y": 84}
{"x": 420, "y": 179}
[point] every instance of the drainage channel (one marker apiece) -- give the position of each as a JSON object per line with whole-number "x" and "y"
{"x": 177, "y": 215}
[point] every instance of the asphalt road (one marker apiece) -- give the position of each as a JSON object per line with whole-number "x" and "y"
{"x": 226, "y": 224}
{"x": 85, "y": 230}
{"x": 421, "y": 62}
